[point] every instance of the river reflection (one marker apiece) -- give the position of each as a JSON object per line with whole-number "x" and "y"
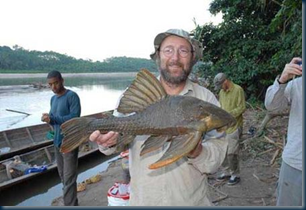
{"x": 97, "y": 94}
{"x": 110, "y": 81}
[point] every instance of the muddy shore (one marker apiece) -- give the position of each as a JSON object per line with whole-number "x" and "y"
{"x": 257, "y": 187}
{"x": 95, "y": 194}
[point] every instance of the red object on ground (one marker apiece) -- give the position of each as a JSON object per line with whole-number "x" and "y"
{"x": 114, "y": 192}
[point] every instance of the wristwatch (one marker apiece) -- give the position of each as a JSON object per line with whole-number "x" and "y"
{"x": 279, "y": 82}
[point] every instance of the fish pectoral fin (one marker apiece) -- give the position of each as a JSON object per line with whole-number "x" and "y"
{"x": 153, "y": 143}
{"x": 123, "y": 142}
{"x": 179, "y": 147}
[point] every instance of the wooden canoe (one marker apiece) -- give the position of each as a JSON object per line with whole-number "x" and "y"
{"x": 21, "y": 140}
{"x": 12, "y": 170}
{"x": 31, "y": 148}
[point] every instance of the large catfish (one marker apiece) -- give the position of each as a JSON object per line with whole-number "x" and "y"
{"x": 182, "y": 120}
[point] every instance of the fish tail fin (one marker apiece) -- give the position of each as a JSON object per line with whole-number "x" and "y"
{"x": 75, "y": 133}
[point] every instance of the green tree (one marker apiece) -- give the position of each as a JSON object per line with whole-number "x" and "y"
{"x": 19, "y": 60}
{"x": 254, "y": 41}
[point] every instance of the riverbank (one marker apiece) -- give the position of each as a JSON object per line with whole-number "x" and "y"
{"x": 257, "y": 186}
{"x": 44, "y": 75}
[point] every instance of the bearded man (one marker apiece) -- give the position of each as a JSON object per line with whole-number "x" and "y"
{"x": 184, "y": 182}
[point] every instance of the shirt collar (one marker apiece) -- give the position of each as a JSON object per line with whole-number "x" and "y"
{"x": 231, "y": 86}
{"x": 188, "y": 87}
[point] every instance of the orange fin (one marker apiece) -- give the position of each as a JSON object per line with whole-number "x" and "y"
{"x": 180, "y": 146}
{"x": 153, "y": 143}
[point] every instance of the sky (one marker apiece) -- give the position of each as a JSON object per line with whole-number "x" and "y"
{"x": 97, "y": 29}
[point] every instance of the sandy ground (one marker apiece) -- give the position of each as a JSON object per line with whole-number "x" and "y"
{"x": 257, "y": 186}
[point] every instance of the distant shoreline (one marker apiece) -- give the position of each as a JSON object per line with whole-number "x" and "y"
{"x": 44, "y": 75}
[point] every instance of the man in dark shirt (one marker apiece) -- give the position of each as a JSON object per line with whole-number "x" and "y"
{"x": 65, "y": 105}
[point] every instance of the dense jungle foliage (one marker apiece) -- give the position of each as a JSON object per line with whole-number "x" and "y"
{"x": 253, "y": 43}
{"x": 20, "y": 60}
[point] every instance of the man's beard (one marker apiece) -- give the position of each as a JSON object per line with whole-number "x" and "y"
{"x": 166, "y": 75}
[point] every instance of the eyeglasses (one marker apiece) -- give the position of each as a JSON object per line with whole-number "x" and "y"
{"x": 169, "y": 51}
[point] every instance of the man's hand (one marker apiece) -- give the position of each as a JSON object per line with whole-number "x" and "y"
{"x": 291, "y": 70}
{"x": 45, "y": 118}
{"x": 105, "y": 140}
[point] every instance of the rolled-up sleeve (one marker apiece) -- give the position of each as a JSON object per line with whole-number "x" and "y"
{"x": 276, "y": 99}
{"x": 107, "y": 150}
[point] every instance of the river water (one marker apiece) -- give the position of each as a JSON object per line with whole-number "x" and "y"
{"x": 97, "y": 93}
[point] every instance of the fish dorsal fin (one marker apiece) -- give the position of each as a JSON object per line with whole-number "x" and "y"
{"x": 144, "y": 91}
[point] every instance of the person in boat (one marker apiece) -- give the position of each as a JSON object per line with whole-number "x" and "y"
{"x": 65, "y": 105}
{"x": 184, "y": 182}
{"x": 286, "y": 92}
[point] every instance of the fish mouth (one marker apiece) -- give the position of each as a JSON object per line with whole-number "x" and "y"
{"x": 225, "y": 127}
{"x": 222, "y": 129}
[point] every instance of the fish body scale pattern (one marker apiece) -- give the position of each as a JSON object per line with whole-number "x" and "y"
{"x": 160, "y": 118}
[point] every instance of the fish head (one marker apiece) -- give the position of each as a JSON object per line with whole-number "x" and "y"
{"x": 216, "y": 117}
{"x": 213, "y": 116}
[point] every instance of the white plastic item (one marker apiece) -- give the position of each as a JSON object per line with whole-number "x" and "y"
{"x": 115, "y": 198}
{"x": 113, "y": 201}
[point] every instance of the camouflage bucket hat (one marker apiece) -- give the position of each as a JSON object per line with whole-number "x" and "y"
{"x": 196, "y": 45}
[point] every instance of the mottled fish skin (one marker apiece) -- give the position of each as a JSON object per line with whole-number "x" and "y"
{"x": 171, "y": 116}
{"x": 179, "y": 119}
